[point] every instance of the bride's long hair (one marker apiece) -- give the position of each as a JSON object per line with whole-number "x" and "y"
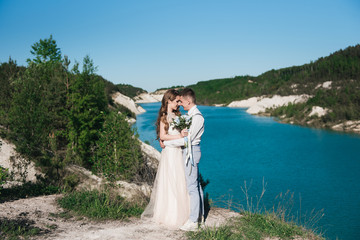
{"x": 170, "y": 94}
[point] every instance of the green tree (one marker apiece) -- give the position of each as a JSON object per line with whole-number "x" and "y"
{"x": 45, "y": 50}
{"x": 37, "y": 116}
{"x": 87, "y": 104}
{"x": 38, "y": 107}
{"x": 29, "y": 122}
{"x": 9, "y": 72}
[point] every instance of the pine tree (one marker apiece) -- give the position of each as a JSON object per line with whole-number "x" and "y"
{"x": 87, "y": 104}
{"x": 45, "y": 51}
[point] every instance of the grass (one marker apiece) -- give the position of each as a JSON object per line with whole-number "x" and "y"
{"x": 257, "y": 223}
{"x": 27, "y": 190}
{"x": 100, "y": 205}
{"x": 18, "y": 229}
{"x": 254, "y": 226}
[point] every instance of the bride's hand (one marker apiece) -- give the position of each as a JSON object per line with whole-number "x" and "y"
{"x": 184, "y": 132}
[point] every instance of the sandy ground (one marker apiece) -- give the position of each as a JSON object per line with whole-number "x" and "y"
{"x": 43, "y": 212}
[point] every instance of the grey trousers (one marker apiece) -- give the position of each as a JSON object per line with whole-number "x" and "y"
{"x": 193, "y": 185}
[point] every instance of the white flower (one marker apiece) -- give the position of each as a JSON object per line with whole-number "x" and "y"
{"x": 181, "y": 122}
{"x": 177, "y": 120}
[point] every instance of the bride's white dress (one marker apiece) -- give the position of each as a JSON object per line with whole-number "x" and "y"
{"x": 169, "y": 203}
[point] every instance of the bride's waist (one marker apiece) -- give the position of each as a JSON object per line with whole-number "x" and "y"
{"x": 173, "y": 133}
{"x": 172, "y": 147}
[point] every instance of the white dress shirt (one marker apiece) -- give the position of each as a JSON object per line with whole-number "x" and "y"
{"x": 196, "y": 129}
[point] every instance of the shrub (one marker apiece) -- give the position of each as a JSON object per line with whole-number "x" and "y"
{"x": 118, "y": 154}
{"x": 70, "y": 182}
{"x": 3, "y": 176}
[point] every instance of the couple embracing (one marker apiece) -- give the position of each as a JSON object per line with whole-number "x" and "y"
{"x": 177, "y": 198}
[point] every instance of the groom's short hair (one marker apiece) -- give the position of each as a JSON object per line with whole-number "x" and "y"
{"x": 188, "y": 92}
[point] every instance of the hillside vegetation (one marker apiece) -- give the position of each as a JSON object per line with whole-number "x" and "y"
{"x": 342, "y": 98}
{"x": 129, "y": 90}
{"x": 341, "y": 67}
{"x": 58, "y": 116}
{"x": 125, "y": 89}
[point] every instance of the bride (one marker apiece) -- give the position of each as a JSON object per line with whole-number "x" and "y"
{"x": 169, "y": 203}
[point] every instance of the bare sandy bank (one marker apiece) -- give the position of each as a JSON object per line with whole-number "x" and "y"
{"x": 127, "y": 102}
{"x": 148, "y": 98}
{"x": 258, "y": 105}
{"x": 43, "y": 212}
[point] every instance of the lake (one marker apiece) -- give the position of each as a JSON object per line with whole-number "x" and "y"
{"x": 320, "y": 168}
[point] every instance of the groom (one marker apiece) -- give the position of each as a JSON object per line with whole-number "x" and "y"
{"x": 188, "y": 102}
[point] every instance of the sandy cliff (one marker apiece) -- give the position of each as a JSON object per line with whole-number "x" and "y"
{"x": 150, "y": 97}
{"x": 127, "y": 102}
{"x": 258, "y": 105}
{"x": 19, "y": 168}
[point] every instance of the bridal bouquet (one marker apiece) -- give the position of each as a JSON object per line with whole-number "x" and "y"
{"x": 181, "y": 122}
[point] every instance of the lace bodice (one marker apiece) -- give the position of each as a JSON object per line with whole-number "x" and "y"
{"x": 172, "y": 130}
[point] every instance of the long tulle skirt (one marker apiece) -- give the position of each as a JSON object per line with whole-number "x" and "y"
{"x": 169, "y": 203}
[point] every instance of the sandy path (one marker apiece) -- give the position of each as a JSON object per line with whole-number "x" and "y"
{"x": 43, "y": 211}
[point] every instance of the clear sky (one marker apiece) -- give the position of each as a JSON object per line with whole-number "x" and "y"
{"x": 162, "y": 43}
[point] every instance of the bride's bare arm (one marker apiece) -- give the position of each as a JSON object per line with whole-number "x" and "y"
{"x": 166, "y": 137}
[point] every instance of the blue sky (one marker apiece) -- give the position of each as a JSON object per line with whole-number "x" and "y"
{"x": 162, "y": 43}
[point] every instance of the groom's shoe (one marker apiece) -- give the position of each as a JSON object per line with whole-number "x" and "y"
{"x": 202, "y": 222}
{"x": 189, "y": 226}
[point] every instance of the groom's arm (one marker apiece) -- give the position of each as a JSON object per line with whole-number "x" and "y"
{"x": 175, "y": 143}
{"x": 196, "y": 127}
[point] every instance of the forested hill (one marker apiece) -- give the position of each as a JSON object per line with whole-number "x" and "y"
{"x": 125, "y": 89}
{"x": 341, "y": 67}
{"x": 129, "y": 90}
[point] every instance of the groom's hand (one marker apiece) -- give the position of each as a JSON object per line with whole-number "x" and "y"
{"x": 162, "y": 144}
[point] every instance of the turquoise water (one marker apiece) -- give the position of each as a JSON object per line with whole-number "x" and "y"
{"x": 321, "y": 168}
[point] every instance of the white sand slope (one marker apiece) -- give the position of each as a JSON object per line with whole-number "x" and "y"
{"x": 348, "y": 126}
{"x": 127, "y": 102}
{"x": 20, "y": 168}
{"x": 148, "y": 98}
{"x": 151, "y": 154}
{"x": 258, "y": 105}
{"x": 245, "y": 103}
{"x": 324, "y": 85}
{"x": 318, "y": 111}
